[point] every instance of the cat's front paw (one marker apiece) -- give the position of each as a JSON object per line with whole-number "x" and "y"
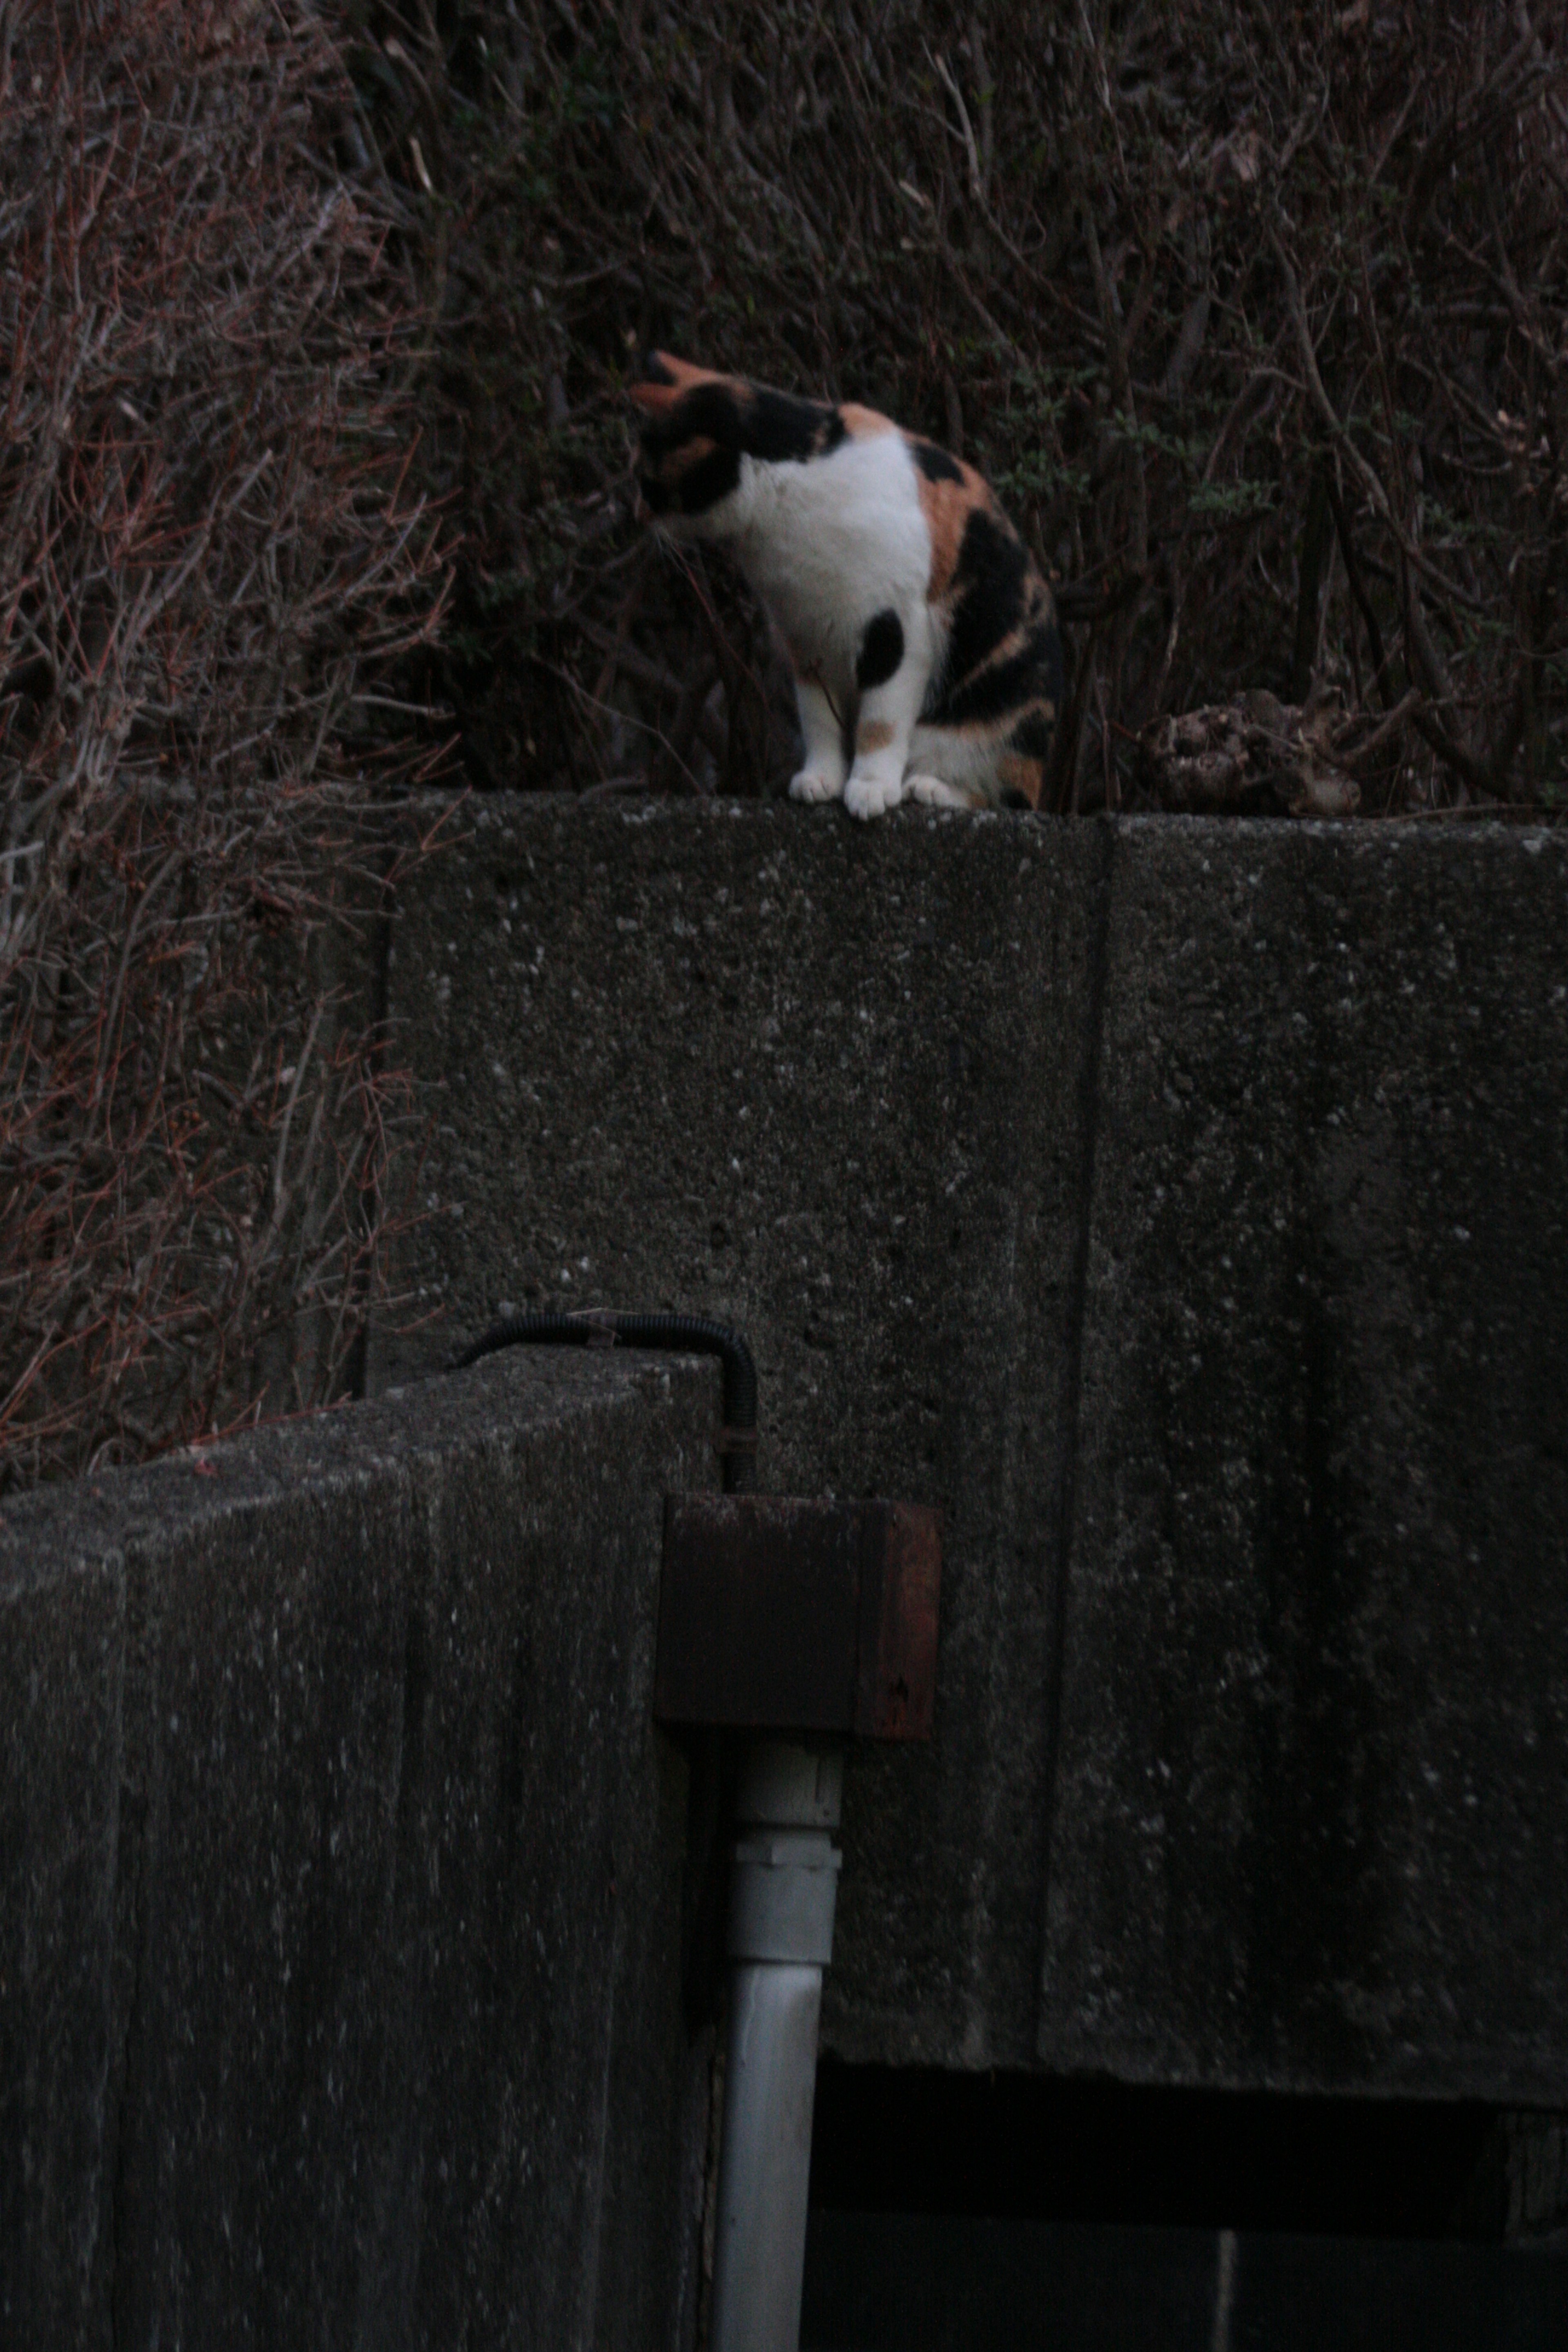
{"x": 872, "y": 795}
{"x": 813, "y": 784}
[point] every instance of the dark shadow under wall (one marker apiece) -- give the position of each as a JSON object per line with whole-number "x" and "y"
{"x": 961, "y": 2212}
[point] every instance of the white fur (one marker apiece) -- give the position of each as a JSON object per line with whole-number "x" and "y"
{"x": 828, "y": 544}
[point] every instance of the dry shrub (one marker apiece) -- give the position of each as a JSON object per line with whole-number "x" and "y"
{"x": 1257, "y": 317}
{"x": 209, "y": 557}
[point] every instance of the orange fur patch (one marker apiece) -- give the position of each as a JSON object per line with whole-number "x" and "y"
{"x": 873, "y": 735}
{"x": 657, "y": 397}
{"x": 1017, "y": 774}
{"x": 864, "y": 423}
{"x": 947, "y": 507}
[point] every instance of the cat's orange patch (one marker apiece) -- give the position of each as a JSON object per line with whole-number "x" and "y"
{"x": 1017, "y": 773}
{"x": 873, "y": 735}
{"x": 676, "y": 376}
{"x": 864, "y": 423}
{"x": 947, "y": 507}
{"x": 1004, "y": 650}
{"x": 689, "y": 454}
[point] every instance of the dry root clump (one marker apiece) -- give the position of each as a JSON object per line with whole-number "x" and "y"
{"x": 1258, "y": 757}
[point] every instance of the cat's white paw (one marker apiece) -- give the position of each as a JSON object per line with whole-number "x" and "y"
{"x": 811, "y": 784}
{"x": 932, "y": 793}
{"x": 872, "y": 795}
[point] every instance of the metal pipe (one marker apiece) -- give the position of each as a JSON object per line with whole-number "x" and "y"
{"x": 687, "y": 1334}
{"x": 784, "y": 1890}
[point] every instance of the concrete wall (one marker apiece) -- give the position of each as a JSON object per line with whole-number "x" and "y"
{"x": 1181, "y": 1207}
{"x": 339, "y": 1881}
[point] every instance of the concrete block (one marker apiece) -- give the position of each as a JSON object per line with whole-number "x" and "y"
{"x": 62, "y": 1624}
{"x": 826, "y": 1082}
{"x": 1196, "y": 1185}
{"x": 346, "y": 1856}
{"x": 1310, "y": 1824}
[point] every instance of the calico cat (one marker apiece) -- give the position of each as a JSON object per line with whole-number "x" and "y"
{"x": 923, "y": 639}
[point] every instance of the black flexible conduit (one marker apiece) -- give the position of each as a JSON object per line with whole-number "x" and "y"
{"x": 685, "y": 1334}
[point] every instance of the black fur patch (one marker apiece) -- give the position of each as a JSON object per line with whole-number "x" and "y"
{"x": 654, "y": 370}
{"x": 711, "y": 478}
{"x": 988, "y": 592}
{"x": 934, "y": 463}
{"x": 774, "y": 427}
{"x": 769, "y": 426}
{"x": 709, "y": 411}
{"x": 994, "y": 691}
{"x": 997, "y": 595}
{"x": 1032, "y": 736}
{"x": 881, "y": 649}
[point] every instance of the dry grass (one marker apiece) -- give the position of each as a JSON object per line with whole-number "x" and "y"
{"x": 1255, "y": 316}
{"x": 211, "y": 556}
{"x": 1258, "y": 317}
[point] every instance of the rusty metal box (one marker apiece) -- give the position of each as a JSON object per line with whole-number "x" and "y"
{"x": 778, "y": 1613}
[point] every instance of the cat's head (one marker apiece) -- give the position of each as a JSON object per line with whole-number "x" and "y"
{"x": 689, "y": 456}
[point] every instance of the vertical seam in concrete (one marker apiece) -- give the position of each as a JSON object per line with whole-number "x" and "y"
{"x": 358, "y": 1366}
{"x": 134, "y": 1860}
{"x": 1066, "y": 1481}
{"x": 588, "y": 2314}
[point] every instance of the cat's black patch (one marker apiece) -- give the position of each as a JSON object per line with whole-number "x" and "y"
{"x": 709, "y": 411}
{"x": 654, "y": 370}
{"x": 712, "y": 477}
{"x": 774, "y": 427}
{"x": 996, "y": 595}
{"x": 993, "y": 692}
{"x": 988, "y": 591}
{"x": 1032, "y": 736}
{"x": 881, "y": 649}
{"x": 768, "y": 425}
{"x": 1014, "y": 799}
{"x": 934, "y": 463}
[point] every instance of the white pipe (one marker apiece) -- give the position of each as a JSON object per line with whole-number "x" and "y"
{"x": 782, "y": 1894}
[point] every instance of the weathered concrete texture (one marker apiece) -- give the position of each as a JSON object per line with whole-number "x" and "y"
{"x": 340, "y": 1925}
{"x": 1311, "y": 1822}
{"x": 826, "y": 1082}
{"x": 953, "y": 1115}
{"x": 61, "y": 1670}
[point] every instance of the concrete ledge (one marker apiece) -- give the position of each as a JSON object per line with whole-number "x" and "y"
{"x": 1179, "y": 1205}
{"x": 339, "y": 1880}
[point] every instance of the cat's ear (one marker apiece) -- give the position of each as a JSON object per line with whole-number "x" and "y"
{"x": 663, "y": 380}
